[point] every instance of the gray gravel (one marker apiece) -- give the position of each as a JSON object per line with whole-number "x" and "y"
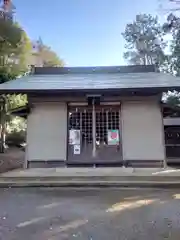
{"x": 93, "y": 214}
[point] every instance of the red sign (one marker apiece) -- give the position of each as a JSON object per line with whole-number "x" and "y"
{"x": 114, "y": 135}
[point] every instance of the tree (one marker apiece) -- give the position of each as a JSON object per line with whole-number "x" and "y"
{"x": 10, "y": 38}
{"x": 45, "y": 56}
{"x": 172, "y": 26}
{"x": 144, "y": 41}
{"x": 22, "y": 57}
{"x": 15, "y": 50}
{"x": 173, "y": 100}
{"x": 15, "y": 124}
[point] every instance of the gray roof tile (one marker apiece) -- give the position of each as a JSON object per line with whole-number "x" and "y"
{"x": 92, "y": 81}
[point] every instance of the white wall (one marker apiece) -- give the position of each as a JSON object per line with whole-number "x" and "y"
{"x": 47, "y": 132}
{"x": 142, "y": 130}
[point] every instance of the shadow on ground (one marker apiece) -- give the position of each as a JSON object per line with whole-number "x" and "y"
{"x": 53, "y": 213}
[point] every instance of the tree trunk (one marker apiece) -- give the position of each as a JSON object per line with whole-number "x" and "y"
{"x": 3, "y": 137}
{"x": 2, "y": 143}
{"x": 3, "y": 124}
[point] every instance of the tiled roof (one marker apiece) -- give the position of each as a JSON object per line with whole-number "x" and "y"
{"x": 94, "y": 80}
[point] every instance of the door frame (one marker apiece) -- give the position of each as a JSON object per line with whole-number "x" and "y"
{"x": 102, "y": 104}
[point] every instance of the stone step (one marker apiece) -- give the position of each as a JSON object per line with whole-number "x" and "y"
{"x": 91, "y": 184}
{"x": 91, "y": 178}
{"x": 130, "y": 178}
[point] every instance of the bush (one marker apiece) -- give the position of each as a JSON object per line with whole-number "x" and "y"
{"x": 15, "y": 138}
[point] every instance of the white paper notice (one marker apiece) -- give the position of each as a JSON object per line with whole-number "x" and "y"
{"x": 74, "y": 137}
{"x": 77, "y": 149}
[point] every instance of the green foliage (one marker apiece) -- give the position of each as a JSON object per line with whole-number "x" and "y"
{"x": 6, "y": 74}
{"x": 47, "y": 57}
{"x": 15, "y": 58}
{"x": 144, "y": 41}
{"x": 10, "y": 38}
{"x": 145, "y": 45}
{"x": 10, "y": 34}
{"x": 50, "y": 58}
{"x": 173, "y": 100}
{"x": 15, "y": 101}
{"x": 23, "y": 55}
{"x": 16, "y": 138}
{"x": 172, "y": 26}
{"x": 15, "y": 50}
{"x": 12, "y": 102}
{"x": 16, "y": 124}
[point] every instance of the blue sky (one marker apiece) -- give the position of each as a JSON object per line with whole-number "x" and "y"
{"x": 82, "y": 32}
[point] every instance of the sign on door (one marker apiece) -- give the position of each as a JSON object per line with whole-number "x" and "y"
{"x": 113, "y": 137}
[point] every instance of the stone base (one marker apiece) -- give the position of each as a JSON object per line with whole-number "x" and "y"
{"x": 46, "y": 164}
{"x": 127, "y": 164}
{"x": 144, "y": 163}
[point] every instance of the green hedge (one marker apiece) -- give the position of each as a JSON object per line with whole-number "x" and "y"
{"x": 15, "y": 138}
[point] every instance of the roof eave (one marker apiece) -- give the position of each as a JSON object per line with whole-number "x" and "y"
{"x": 103, "y": 91}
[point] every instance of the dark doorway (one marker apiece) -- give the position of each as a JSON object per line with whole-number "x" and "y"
{"x": 172, "y": 143}
{"x": 107, "y": 119}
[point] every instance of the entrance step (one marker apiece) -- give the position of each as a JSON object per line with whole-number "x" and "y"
{"x": 93, "y": 181}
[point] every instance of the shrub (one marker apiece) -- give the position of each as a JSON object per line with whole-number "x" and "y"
{"x": 15, "y": 138}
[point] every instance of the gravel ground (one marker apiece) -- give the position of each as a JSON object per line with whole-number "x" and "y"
{"x": 13, "y": 158}
{"x": 93, "y": 214}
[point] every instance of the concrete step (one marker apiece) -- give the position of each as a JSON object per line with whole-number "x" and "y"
{"x": 92, "y": 184}
{"x": 91, "y": 181}
{"x": 131, "y": 178}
